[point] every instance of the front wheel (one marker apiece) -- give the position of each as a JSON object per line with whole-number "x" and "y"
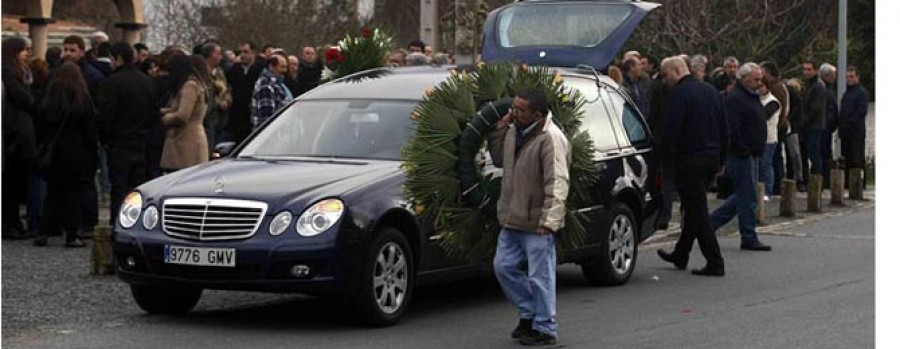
{"x": 387, "y": 283}
{"x": 166, "y": 300}
{"x": 614, "y": 263}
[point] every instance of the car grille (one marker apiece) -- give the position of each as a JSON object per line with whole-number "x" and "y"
{"x": 212, "y": 219}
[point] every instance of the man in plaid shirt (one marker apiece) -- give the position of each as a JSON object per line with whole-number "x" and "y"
{"x": 270, "y": 93}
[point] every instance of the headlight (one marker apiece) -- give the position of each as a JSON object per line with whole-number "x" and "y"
{"x": 280, "y": 223}
{"x": 319, "y": 217}
{"x": 130, "y": 210}
{"x": 151, "y": 217}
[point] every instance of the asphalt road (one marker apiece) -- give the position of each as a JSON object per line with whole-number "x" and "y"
{"x": 815, "y": 290}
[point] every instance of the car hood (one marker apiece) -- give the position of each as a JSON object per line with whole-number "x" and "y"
{"x": 617, "y": 21}
{"x": 282, "y": 184}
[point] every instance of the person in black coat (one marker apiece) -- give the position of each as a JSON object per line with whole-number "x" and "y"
{"x": 242, "y": 77}
{"x": 69, "y": 117}
{"x": 693, "y": 141}
{"x": 309, "y": 73}
{"x": 814, "y": 115}
{"x": 73, "y": 51}
{"x": 124, "y": 124}
{"x": 852, "y": 121}
{"x": 19, "y": 147}
{"x": 747, "y": 130}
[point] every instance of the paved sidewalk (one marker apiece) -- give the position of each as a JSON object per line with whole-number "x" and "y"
{"x": 801, "y": 216}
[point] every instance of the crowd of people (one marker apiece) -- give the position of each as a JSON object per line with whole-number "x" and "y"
{"x": 86, "y": 124}
{"x": 745, "y": 125}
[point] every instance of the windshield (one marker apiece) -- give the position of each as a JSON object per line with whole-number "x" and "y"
{"x": 344, "y": 129}
{"x": 576, "y": 25}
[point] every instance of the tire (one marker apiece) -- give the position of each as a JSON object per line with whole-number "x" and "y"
{"x": 617, "y": 255}
{"x": 170, "y": 300}
{"x": 387, "y": 279}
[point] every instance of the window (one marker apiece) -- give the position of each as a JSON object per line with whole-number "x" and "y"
{"x": 576, "y": 25}
{"x": 596, "y": 114}
{"x": 339, "y": 128}
{"x": 634, "y": 128}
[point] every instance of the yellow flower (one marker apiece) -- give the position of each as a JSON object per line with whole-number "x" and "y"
{"x": 453, "y": 72}
{"x": 429, "y": 91}
{"x": 524, "y": 66}
{"x": 558, "y": 78}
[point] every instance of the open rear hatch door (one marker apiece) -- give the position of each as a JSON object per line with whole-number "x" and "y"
{"x": 561, "y": 33}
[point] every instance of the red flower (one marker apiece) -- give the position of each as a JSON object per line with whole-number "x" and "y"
{"x": 366, "y": 32}
{"x": 333, "y": 55}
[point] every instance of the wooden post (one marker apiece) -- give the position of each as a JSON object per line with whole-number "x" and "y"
{"x": 856, "y": 184}
{"x": 837, "y": 186}
{"x": 101, "y": 254}
{"x": 814, "y": 193}
{"x": 788, "y": 192}
{"x": 761, "y": 204}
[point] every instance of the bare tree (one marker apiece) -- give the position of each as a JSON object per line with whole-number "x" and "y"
{"x": 785, "y": 31}
{"x": 177, "y": 22}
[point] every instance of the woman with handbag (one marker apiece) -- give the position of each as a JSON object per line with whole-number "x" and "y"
{"x": 186, "y": 143}
{"x": 19, "y": 147}
{"x": 67, "y": 152}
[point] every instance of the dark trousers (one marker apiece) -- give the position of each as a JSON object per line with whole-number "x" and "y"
{"x": 692, "y": 175}
{"x": 778, "y": 167}
{"x": 127, "y": 170}
{"x": 854, "y": 152}
{"x": 813, "y": 141}
{"x": 15, "y": 184}
{"x": 827, "y": 156}
{"x": 90, "y": 205}
{"x": 63, "y": 209}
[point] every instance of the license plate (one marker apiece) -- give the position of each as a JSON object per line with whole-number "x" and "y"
{"x": 205, "y": 256}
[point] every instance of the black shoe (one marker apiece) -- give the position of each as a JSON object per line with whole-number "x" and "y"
{"x": 756, "y": 246}
{"x": 670, "y": 257}
{"x": 75, "y": 243}
{"x": 40, "y": 241}
{"x": 85, "y": 233}
{"x": 662, "y": 226}
{"x": 709, "y": 271}
{"x": 537, "y": 338}
{"x": 523, "y": 328}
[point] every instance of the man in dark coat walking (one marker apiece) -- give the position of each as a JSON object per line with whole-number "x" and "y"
{"x": 124, "y": 124}
{"x": 852, "y": 121}
{"x": 747, "y": 130}
{"x": 242, "y": 77}
{"x": 814, "y": 112}
{"x": 693, "y": 140}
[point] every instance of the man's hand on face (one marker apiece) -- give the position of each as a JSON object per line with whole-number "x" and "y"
{"x": 544, "y": 231}
{"x": 504, "y": 121}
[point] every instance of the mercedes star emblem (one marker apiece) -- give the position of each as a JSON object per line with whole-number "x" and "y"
{"x": 219, "y": 184}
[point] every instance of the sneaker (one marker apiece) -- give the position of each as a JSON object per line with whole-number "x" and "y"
{"x": 537, "y": 338}
{"x": 524, "y": 327}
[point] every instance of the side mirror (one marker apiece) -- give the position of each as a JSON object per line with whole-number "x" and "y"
{"x": 225, "y": 148}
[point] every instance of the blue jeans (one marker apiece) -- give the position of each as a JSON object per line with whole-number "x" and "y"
{"x": 744, "y": 174}
{"x": 534, "y": 293}
{"x": 36, "y": 192}
{"x": 766, "y": 167}
{"x": 813, "y": 140}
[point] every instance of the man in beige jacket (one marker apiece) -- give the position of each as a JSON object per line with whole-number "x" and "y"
{"x": 534, "y": 154}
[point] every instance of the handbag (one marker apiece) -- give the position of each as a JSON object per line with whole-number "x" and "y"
{"x": 45, "y": 150}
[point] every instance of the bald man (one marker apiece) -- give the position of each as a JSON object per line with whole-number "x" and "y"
{"x": 692, "y": 143}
